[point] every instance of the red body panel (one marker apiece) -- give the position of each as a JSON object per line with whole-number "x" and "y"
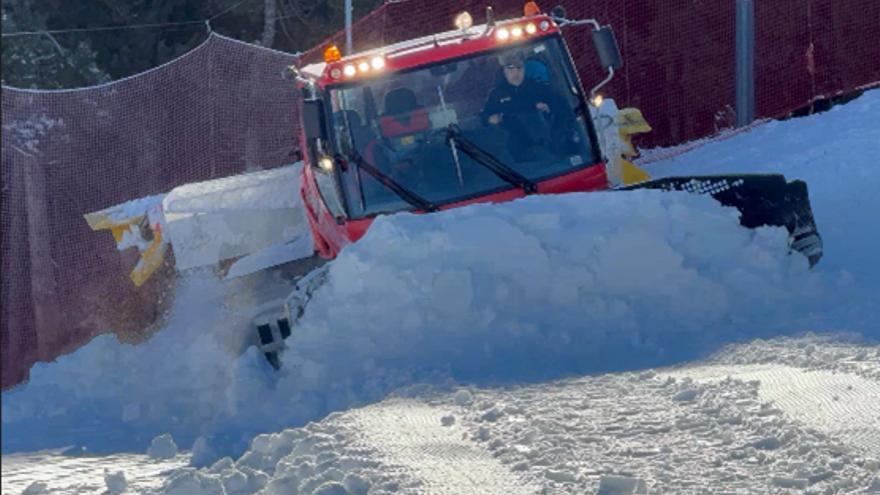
{"x": 331, "y": 236}
{"x": 414, "y": 53}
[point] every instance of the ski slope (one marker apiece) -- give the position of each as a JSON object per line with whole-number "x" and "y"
{"x": 512, "y": 299}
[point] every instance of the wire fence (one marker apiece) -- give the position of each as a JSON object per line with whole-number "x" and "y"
{"x": 219, "y": 110}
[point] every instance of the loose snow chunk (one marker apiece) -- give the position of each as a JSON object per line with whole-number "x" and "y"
{"x": 162, "y": 447}
{"x": 463, "y": 398}
{"x": 686, "y": 395}
{"x": 786, "y": 482}
{"x": 768, "y": 443}
{"x": 356, "y": 485}
{"x": 203, "y": 454}
{"x": 235, "y": 482}
{"x": 874, "y": 487}
{"x": 331, "y": 488}
{"x": 621, "y": 485}
{"x": 223, "y": 464}
{"x": 188, "y": 481}
{"x": 36, "y": 488}
{"x": 116, "y": 482}
{"x": 560, "y": 476}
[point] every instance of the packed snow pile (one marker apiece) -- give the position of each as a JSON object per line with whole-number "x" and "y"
{"x": 546, "y": 286}
{"x": 536, "y": 288}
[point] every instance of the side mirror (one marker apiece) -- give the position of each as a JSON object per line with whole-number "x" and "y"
{"x": 606, "y": 48}
{"x": 289, "y": 73}
{"x": 313, "y": 119}
{"x": 558, "y": 12}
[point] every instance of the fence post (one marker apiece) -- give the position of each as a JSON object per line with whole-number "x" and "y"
{"x": 745, "y": 62}
{"x": 348, "y": 8}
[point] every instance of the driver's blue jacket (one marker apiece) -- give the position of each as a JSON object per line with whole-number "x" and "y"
{"x": 517, "y": 105}
{"x": 508, "y": 99}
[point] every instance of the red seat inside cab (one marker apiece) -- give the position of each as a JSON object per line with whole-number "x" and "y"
{"x": 403, "y": 115}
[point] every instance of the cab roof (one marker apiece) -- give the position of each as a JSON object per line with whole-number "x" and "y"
{"x": 432, "y": 48}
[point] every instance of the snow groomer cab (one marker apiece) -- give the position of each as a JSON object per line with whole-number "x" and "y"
{"x": 484, "y": 113}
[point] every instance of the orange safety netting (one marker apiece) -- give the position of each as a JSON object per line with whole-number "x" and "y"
{"x": 221, "y": 109}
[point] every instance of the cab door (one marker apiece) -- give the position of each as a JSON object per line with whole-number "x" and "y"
{"x": 321, "y": 189}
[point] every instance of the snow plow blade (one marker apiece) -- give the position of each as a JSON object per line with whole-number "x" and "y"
{"x": 255, "y": 219}
{"x": 239, "y": 224}
{"x": 762, "y": 200}
{"x": 135, "y": 224}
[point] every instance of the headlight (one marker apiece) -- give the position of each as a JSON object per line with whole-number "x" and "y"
{"x": 326, "y": 164}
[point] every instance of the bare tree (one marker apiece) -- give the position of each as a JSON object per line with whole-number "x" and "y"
{"x": 270, "y": 17}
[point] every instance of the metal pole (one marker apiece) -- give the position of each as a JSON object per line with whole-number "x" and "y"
{"x": 348, "y": 27}
{"x": 745, "y": 62}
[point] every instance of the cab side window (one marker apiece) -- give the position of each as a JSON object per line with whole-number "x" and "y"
{"x": 327, "y": 185}
{"x": 323, "y": 167}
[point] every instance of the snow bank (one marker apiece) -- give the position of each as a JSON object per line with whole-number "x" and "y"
{"x": 836, "y": 154}
{"x": 546, "y": 286}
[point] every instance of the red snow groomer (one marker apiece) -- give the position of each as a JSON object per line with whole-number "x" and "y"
{"x": 485, "y": 113}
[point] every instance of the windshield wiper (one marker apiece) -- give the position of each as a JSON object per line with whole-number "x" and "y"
{"x": 404, "y": 193}
{"x": 483, "y": 157}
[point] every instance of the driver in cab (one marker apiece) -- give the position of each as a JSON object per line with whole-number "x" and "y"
{"x": 517, "y": 102}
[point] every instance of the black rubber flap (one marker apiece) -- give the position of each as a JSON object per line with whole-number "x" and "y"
{"x": 762, "y": 199}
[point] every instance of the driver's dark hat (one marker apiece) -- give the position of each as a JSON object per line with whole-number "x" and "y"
{"x": 511, "y": 57}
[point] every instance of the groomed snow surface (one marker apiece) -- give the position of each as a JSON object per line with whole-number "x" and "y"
{"x": 491, "y": 325}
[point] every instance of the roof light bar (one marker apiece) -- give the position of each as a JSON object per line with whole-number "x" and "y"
{"x": 518, "y": 31}
{"x": 360, "y": 67}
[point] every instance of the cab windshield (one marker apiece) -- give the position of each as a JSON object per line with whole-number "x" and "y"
{"x": 436, "y": 131}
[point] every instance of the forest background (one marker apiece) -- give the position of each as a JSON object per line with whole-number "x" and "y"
{"x": 59, "y": 44}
